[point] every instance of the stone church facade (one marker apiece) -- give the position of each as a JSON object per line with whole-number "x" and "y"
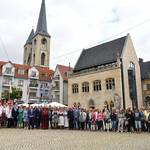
{"x": 107, "y": 74}
{"x": 37, "y": 46}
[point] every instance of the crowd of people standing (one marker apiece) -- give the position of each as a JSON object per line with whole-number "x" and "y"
{"x": 74, "y": 118}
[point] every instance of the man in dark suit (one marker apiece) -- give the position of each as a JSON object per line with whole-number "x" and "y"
{"x": 31, "y": 117}
{"x": 15, "y": 115}
{"x": 70, "y": 118}
{"x": 37, "y": 117}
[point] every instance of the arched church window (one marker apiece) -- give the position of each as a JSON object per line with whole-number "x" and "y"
{"x": 43, "y": 59}
{"x": 131, "y": 65}
{"x": 29, "y": 59}
{"x": 25, "y": 50}
{"x": 43, "y": 41}
{"x": 25, "y": 55}
{"x": 34, "y": 59}
{"x": 35, "y": 42}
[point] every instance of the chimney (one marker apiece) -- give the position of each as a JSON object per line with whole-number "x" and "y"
{"x": 140, "y": 60}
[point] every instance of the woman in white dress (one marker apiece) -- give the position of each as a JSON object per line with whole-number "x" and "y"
{"x": 66, "y": 124}
{"x": 61, "y": 118}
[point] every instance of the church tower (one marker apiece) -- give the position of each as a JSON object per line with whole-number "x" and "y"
{"x": 37, "y": 47}
{"x": 27, "y": 57}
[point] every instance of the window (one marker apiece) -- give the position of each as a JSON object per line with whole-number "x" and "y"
{"x": 8, "y": 70}
{"x": 7, "y": 81}
{"x": 33, "y": 73}
{"x": 43, "y": 75}
{"x": 65, "y": 74}
{"x": 35, "y": 42}
{"x": 42, "y": 59}
{"x": 148, "y": 86}
{"x": 44, "y": 85}
{"x": 25, "y": 55}
{"x": 131, "y": 65}
{"x": 74, "y": 88}
{"x": 57, "y": 97}
{"x": 32, "y": 94}
{"x": 97, "y": 85}
{"x": 29, "y": 59}
{"x": 21, "y": 71}
{"x": 33, "y": 83}
{"x": 110, "y": 83}
{"x": 43, "y": 41}
{"x": 85, "y": 87}
{"x": 34, "y": 59}
{"x": 20, "y": 82}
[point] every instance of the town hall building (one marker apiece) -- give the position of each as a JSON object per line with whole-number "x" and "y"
{"x": 107, "y": 75}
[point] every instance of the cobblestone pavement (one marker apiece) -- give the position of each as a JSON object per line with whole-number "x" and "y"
{"x": 23, "y": 139}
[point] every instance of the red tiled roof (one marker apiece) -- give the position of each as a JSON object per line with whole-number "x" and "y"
{"x": 45, "y": 73}
{"x": 1, "y": 65}
{"x": 63, "y": 70}
{"x": 24, "y": 67}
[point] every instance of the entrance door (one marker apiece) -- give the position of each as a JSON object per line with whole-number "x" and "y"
{"x": 91, "y": 104}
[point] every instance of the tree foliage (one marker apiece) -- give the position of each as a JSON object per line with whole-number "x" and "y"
{"x": 15, "y": 94}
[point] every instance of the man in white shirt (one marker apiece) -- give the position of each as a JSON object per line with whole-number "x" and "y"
{"x": 9, "y": 116}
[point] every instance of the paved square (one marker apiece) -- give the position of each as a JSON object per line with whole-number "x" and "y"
{"x": 22, "y": 139}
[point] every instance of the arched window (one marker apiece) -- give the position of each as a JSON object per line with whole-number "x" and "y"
{"x": 74, "y": 88}
{"x": 29, "y": 59}
{"x": 85, "y": 87}
{"x": 42, "y": 59}
{"x": 110, "y": 83}
{"x": 35, "y": 42}
{"x": 43, "y": 41}
{"x": 131, "y": 65}
{"x": 25, "y": 55}
{"x": 91, "y": 103}
{"x": 97, "y": 85}
{"x": 34, "y": 59}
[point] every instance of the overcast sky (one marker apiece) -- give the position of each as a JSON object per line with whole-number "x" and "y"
{"x": 73, "y": 25}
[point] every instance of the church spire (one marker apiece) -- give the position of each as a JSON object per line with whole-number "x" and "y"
{"x": 29, "y": 40}
{"x": 42, "y": 22}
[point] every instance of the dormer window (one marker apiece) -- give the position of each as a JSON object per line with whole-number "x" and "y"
{"x": 33, "y": 73}
{"x": 8, "y": 70}
{"x": 66, "y": 74}
{"x": 21, "y": 71}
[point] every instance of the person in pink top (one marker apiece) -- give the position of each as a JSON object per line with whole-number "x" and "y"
{"x": 93, "y": 120}
{"x": 100, "y": 119}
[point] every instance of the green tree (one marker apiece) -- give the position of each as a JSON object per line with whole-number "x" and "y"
{"x": 15, "y": 94}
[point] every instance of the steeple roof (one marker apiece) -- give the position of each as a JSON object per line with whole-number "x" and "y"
{"x": 42, "y": 22}
{"x": 29, "y": 40}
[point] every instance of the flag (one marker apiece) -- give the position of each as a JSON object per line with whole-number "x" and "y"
{"x": 10, "y": 87}
{"x": 27, "y": 89}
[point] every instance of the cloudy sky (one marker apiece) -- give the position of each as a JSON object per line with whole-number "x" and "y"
{"x": 74, "y": 25}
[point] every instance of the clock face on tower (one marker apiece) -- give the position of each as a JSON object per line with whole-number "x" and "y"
{"x": 44, "y": 42}
{"x": 43, "y": 47}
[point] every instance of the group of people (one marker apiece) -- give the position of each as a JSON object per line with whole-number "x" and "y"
{"x": 76, "y": 118}
{"x": 109, "y": 120}
{"x": 14, "y": 116}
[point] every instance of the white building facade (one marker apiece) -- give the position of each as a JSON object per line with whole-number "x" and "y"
{"x": 59, "y": 90}
{"x": 34, "y": 82}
